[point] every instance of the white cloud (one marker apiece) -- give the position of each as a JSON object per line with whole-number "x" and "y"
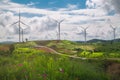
{"x": 71, "y": 6}
{"x": 90, "y": 4}
{"x": 43, "y": 27}
{"x": 116, "y": 5}
{"x": 31, "y": 4}
{"x": 107, "y": 5}
{"x": 4, "y": 1}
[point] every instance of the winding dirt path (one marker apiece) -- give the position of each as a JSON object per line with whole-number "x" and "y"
{"x": 50, "y": 50}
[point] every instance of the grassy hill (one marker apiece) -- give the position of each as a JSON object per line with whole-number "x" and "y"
{"x": 89, "y": 50}
{"x": 22, "y": 61}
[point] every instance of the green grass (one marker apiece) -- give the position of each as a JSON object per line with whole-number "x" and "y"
{"x": 47, "y": 67}
{"x": 115, "y": 55}
{"x": 91, "y": 55}
{"x": 26, "y": 63}
{"x": 89, "y": 50}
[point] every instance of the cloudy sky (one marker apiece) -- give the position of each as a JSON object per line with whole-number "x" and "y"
{"x": 40, "y": 15}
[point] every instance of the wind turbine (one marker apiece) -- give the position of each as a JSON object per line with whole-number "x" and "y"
{"x": 85, "y": 32}
{"x": 59, "y": 27}
{"x": 19, "y": 24}
{"x": 114, "y": 32}
{"x": 114, "y": 29}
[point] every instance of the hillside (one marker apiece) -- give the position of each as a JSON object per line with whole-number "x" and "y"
{"x": 7, "y": 42}
{"x": 38, "y": 60}
{"x": 89, "y": 50}
{"x": 99, "y": 41}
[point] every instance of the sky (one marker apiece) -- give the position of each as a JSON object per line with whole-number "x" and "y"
{"x": 41, "y": 16}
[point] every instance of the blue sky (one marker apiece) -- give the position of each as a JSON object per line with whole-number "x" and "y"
{"x": 53, "y": 4}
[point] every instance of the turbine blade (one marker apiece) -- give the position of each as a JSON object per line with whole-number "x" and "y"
{"x": 87, "y": 27}
{"x": 14, "y": 23}
{"x": 58, "y": 21}
{"x": 82, "y": 27}
{"x": 24, "y": 24}
{"x": 111, "y": 26}
{"x": 62, "y": 20}
{"x": 55, "y": 20}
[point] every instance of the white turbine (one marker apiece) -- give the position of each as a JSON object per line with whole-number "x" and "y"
{"x": 85, "y": 33}
{"x": 59, "y": 27}
{"x": 19, "y": 24}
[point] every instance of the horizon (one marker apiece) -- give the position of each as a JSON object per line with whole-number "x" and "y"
{"x": 63, "y": 40}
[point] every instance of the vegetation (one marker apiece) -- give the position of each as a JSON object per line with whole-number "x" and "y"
{"x": 89, "y": 50}
{"x": 22, "y": 61}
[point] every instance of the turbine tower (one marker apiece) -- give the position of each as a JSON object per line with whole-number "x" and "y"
{"x": 19, "y": 25}
{"x": 114, "y": 32}
{"x": 22, "y": 32}
{"x": 85, "y": 33}
{"x": 22, "y": 35}
{"x": 59, "y": 27}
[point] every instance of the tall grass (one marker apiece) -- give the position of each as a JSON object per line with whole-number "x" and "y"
{"x": 30, "y": 64}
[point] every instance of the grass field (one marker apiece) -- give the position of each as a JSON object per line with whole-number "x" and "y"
{"x": 22, "y": 62}
{"x": 89, "y": 50}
